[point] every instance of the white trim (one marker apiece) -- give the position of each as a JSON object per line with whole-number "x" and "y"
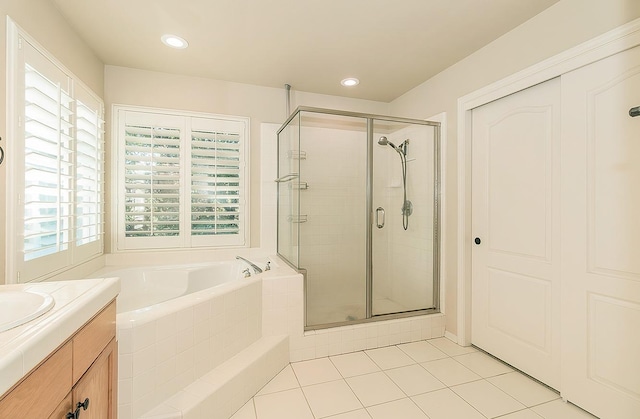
{"x": 13, "y": 35}
{"x": 610, "y": 43}
{"x": 450, "y": 336}
{"x": 442, "y": 118}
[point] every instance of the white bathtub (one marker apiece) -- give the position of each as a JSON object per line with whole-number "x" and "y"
{"x": 176, "y": 323}
{"x": 143, "y": 287}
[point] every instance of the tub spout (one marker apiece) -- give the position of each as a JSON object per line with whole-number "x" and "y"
{"x": 255, "y": 267}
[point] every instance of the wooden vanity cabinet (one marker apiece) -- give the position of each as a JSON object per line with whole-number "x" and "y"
{"x": 98, "y": 385}
{"x": 84, "y": 367}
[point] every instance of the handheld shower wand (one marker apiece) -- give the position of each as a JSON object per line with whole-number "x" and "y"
{"x": 407, "y": 206}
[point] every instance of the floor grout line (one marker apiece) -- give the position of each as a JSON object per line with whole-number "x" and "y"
{"x": 406, "y": 395}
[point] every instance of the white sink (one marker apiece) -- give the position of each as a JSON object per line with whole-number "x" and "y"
{"x": 20, "y": 307}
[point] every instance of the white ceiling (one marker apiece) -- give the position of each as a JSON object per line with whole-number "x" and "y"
{"x": 390, "y": 45}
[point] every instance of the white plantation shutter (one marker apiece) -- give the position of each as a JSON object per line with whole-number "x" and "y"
{"x": 152, "y": 181}
{"x": 48, "y": 174}
{"x": 217, "y": 181}
{"x": 89, "y": 175}
{"x": 181, "y": 181}
{"x": 48, "y": 170}
{"x": 56, "y": 165}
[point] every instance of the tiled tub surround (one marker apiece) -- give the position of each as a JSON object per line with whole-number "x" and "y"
{"x": 25, "y": 346}
{"x": 180, "y": 356}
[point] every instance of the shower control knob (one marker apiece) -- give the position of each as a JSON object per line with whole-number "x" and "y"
{"x": 477, "y": 240}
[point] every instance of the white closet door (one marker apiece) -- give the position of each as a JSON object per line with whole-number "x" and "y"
{"x": 601, "y": 237}
{"x": 515, "y": 283}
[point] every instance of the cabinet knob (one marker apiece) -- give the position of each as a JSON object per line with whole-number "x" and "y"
{"x": 75, "y": 415}
{"x": 84, "y": 405}
{"x": 477, "y": 240}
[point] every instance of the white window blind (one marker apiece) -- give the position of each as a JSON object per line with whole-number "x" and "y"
{"x": 48, "y": 173}
{"x": 89, "y": 174}
{"x": 215, "y": 183}
{"x": 181, "y": 180}
{"x": 152, "y": 181}
{"x": 56, "y": 171}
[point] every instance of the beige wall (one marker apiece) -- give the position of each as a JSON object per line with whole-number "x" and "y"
{"x": 126, "y": 86}
{"x": 562, "y": 26}
{"x": 41, "y": 20}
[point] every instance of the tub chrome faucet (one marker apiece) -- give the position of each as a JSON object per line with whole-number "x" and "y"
{"x": 255, "y": 267}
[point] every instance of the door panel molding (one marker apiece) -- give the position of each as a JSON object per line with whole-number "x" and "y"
{"x": 605, "y": 339}
{"x": 541, "y": 303}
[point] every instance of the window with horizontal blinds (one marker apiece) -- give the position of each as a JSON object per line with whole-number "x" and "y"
{"x": 89, "y": 174}
{"x": 181, "y": 179}
{"x": 56, "y": 194}
{"x": 151, "y": 181}
{"x": 48, "y": 170}
{"x": 215, "y": 183}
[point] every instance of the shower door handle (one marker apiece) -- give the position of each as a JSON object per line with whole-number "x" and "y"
{"x": 379, "y": 211}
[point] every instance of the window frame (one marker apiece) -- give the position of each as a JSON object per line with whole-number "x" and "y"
{"x": 184, "y": 242}
{"x": 23, "y": 50}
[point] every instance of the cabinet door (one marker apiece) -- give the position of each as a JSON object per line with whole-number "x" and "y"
{"x": 516, "y": 263}
{"x": 42, "y": 390}
{"x": 601, "y": 237}
{"x": 98, "y": 385}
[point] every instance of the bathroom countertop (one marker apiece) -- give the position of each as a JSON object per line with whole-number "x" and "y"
{"x": 76, "y": 302}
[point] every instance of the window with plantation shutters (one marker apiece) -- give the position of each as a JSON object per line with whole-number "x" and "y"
{"x": 181, "y": 180}
{"x": 55, "y": 167}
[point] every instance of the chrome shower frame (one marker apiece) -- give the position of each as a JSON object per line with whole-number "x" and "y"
{"x": 370, "y": 214}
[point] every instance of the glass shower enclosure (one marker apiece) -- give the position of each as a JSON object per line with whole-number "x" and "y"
{"x": 358, "y": 210}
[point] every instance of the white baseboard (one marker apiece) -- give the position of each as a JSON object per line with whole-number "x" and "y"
{"x": 450, "y": 336}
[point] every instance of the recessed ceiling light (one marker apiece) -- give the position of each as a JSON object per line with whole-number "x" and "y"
{"x": 349, "y": 82}
{"x": 174, "y": 41}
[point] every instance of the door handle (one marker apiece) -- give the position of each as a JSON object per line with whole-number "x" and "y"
{"x": 634, "y": 111}
{"x": 379, "y": 211}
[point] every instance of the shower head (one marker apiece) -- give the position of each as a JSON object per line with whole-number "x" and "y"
{"x": 401, "y": 150}
{"x": 384, "y": 141}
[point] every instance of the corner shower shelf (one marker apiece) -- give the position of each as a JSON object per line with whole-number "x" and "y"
{"x": 297, "y": 154}
{"x": 287, "y": 178}
{"x": 299, "y": 185}
{"x": 297, "y": 219}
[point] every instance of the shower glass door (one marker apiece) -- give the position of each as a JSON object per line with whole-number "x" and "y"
{"x": 404, "y": 233}
{"x": 331, "y": 158}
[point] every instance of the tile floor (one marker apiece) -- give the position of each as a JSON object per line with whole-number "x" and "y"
{"x": 432, "y": 379}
